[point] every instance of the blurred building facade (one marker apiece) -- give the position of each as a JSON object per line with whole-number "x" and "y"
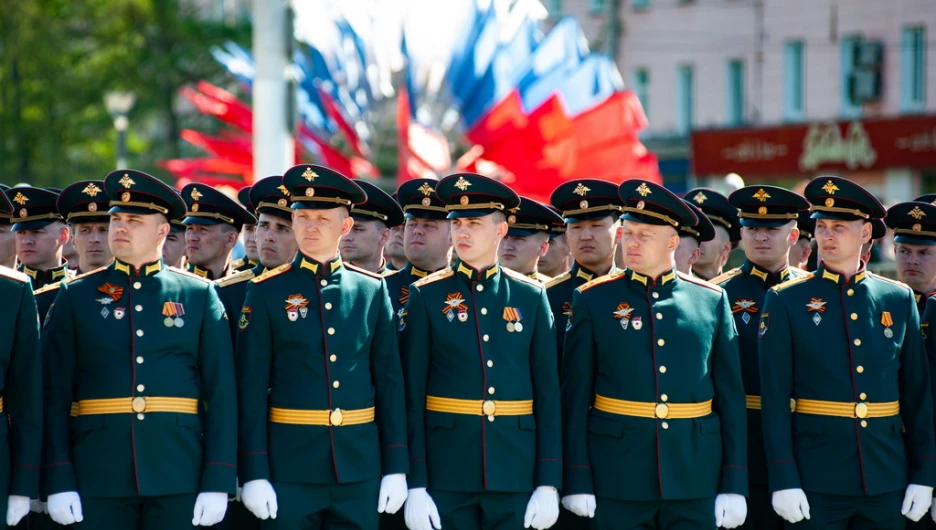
{"x": 779, "y": 90}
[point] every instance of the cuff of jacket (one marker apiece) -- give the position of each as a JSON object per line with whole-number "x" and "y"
{"x": 219, "y": 477}
{"x": 25, "y": 482}
{"x": 923, "y": 471}
{"x": 253, "y": 466}
{"x": 734, "y": 479}
{"x": 549, "y": 472}
{"x": 783, "y": 475}
{"x": 395, "y": 459}
{"x": 577, "y": 480}
{"x": 418, "y": 476}
{"x": 58, "y": 478}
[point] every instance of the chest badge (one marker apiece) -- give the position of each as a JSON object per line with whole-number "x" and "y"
{"x": 112, "y": 293}
{"x": 173, "y": 312}
{"x": 623, "y": 314}
{"x": 296, "y": 305}
{"x": 745, "y": 306}
{"x": 566, "y": 308}
{"x": 637, "y": 323}
{"x": 817, "y": 306}
{"x": 887, "y": 322}
{"x": 513, "y": 317}
{"x": 455, "y": 305}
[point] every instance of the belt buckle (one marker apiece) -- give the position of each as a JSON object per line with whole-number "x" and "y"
{"x": 336, "y": 417}
{"x": 138, "y": 404}
{"x": 792, "y": 405}
{"x": 661, "y": 411}
{"x": 861, "y": 410}
{"x": 488, "y": 408}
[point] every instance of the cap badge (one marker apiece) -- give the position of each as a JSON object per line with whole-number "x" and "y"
{"x": 91, "y": 190}
{"x": 917, "y": 227}
{"x": 125, "y": 196}
{"x": 512, "y": 219}
{"x": 762, "y": 210}
{"x": 309, "y": 175}
{"x": 761, "y": 195}
{"x": 464, "y": 199}
{"x": 125, "y": 181}
{"x": 22, "y": 212}
{"x": 426, "y": 201}
{"x": 281, "y": 202}
{"x": 583, "y": 205}
{"x": 643, "y": 189}
{"x": 92, "y": 206}
{"x": 830, "y": 188}
{"x": 195, "y": 195}
{"x": 700, "y": 197}
{"x": 425, "y": 189}
{"x": 283, "y": 190}
{"x": 462, "y": 184}
{"x": 310, "y": 192}
{"x": 20, "y": 198}
{"x": 916, "y": 213}
{"x": 581, "y": 190}
{"x": 640, "y": 205}
{"x": 195, "y": 208}
{"x": 830, "y": 202}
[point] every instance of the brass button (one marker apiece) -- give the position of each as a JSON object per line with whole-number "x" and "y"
{"x": 664, "y": 397}
{"x": 141, "y": 416}
{"x": 139, "y": 333}
{"x": 139, "y": 308}
{"x": 336, "y": 384}
{"x": 661, "y": 410}
{"x": 850, "y": 292}
{"x": 664, "y": 425}
{"x": 483, "y": 310}
{"x": 140, "y": 388}
{"x": 863, "y": 396}
{"x": 331, "y": 331}
{"x": 328, "y": 305}
{"x": 854, "y": 316}
{"x": 490, "y": 364}
{"x": 333, "y": 358}
{"x": 138, "y": 404}
{"x": 661, "y": 342}
{"x": 662, "y": 369}
{"x": 479, "y": 287}
{"x": 488, "y": 408}
{"x": 486, "y": 337}
{"x": 864, "y": 423}
{"x": 491, "y": 390}
{"x": 860, "y": 369}
{"x": 656, "y": 295}
{"x": 140, "y": 360}
{"x": 137, "y": 285}
{"x": 336, "y": 417}
{"x": 861, "y": 410}
{"x": 323, "y": 283}
{"x": 659, "y": 316}
{"x": 857, "y": 342}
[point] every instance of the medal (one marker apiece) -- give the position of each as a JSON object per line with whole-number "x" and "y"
{"x": 518, "y": 327}
{"x": 296, "y": 303}
{"x": 462, "y": 316}
{"x": 513, "y": 317}
{"x": 510, "y": 327}
{"x": 454, "y": 303}
{"x": 173, "y": 312}
{"x": 623, "y": 315}
{"x": 817, "y": 306}
{"x": 119, "y": 312}
{"x": 178, "y": 322}
{"x": 638, "y": 323}
{"x": 293, "y": 315}
{"x": 887, "y": 321}
{"x": 888, "y": 333}
{"x": 168, "y": 322}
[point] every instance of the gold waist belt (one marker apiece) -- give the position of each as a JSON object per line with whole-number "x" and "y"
{"x": 137, "y": 405}
{"x": 333, "y": 418}
{"x": 843, "y": 409}
{"x": 642, "y": 409}
{"x": 477, "y": 407}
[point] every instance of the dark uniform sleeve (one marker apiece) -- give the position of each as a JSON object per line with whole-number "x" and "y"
{"x": 729, "y": 402}
{"x": 216, "y": 373}
{"x": 546, "y": 398}
{"x": 578, "y": 390}
{"x": 59, "y": 351}
{"x": 254, "y": 357}
{"x": 23, "y": 399}
{"x": 414, "y": 340}
{"x": 387, "y": 375}
{"x": 916, "y": 402}
{"x": 776, "y": 374}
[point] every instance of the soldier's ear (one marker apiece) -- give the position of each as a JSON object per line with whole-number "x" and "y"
{"x": 346, "y": 224}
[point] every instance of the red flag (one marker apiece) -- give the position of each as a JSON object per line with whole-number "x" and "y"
{"x": 343, "y": 125}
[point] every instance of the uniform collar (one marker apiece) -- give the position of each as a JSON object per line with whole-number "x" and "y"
{"x": 46, "y": 276}
{"x": 253, "y": 263}
{"x": 415, "y": 271}
{"x": 203, "y": 273}
{"x": 579, "y": 272}
{"x": 922, "y": 297}
{"x": 146, "y": 270}
{"x": 471, "y": 274}
{"x": 302, "y": 262}
{"x": 763, "y": 275}
{"x": 647, "y": 281}
{"x": 835, "y": 277}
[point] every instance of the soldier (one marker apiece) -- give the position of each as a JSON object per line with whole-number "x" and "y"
{"x": 22, "y": 391}
{"x": 139, "y": 327}
{"x": 833, "y": 409}
{"x": 690, "y": 240}
{"x": 802, "y": 250}
{"x": 914, "y": 242}
{"x": 174, "y": 249}
{"x": 363, "y": 247}
{"x": 318, "y": 433}
{"x": 40, "y": 235}
{"x": 528, "y": 232}
{"x": 427, "y": 238}
{"x": 557, "y": 260}
{"x": 482, "y": 389}
{"x": 393, "y": 250}
{"x": 212, "y": 225}
{"x": 715, "y": 253}
{"x": 7, "y": 238}
{"x": 668, "y": 407}
{"x": 248, "y": 234}
{"x": 768, "y": 218}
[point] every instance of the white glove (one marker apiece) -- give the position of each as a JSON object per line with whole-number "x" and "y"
{"x": 582, "y": 505}
{"x": 730, "y": 510}
{"x": 543, "y": 508}
{"x": 65, "y": 507}
{"x": 35, "y": 505}
{"x": 210, "y": 508}
{"x": 392, "y": 493}
{"x": 421, "y": 512}
{"x": 791, "y": 504}
{"x": 17, "y": 508}
{"x": 916, "y": 502}
{"x": 258, "y": 497}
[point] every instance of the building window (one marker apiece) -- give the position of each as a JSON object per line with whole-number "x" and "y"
{"x": 596, "y": 7}
{"x": 793, "y": 81}
{"x": 554, "y": 8}
{"x": 640, "y": 4}
{"x": 684, "y": 98}
{"x": 850, "y": 107}
{"x": 735, "y": 91}
{"x": 913, "y": 69}
{"x": 642, "y": 89}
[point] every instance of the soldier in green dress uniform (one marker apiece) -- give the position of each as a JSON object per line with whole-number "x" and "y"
{"x": 557, "y": 259}
{"x": 915, "y": 247}
{"x": 213, "y": 222}
{"x": 529, "y": 227}
{"x": 842, "y": 372}
{"x": 21, "y": 401}
{"x": 802, "y": 251}
{"x": 724, "y": 217}
{"x": 768, "y": 216}
{"x": 139, "y": 346}
{"x": 479, "y": 357}
{"x": 248, "y": 235}
{"x": 40, "y": 235}
{"x": 691, "y": 238}
{"x": 427, "y": 240}
{"x": 174, "y": 249}
{"x": 363, "y": 247}
{"x": 322, "y": 408}
{"x": 653, "y": 402}
{"x": 393, "y": 250}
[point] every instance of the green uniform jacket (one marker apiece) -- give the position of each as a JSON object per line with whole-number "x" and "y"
{"x": 40, "y": 279}
{"x": 456, "y": 344}
{"x": 746, "y": 287}
{"x": 317, "y": 336}
{"x": 398, "y": 283}
{"x": 232, "y": 290}
{"x": 679, "y": 346}
{"x": 21, "y": 376}
{"x": 119, "y": 345}
{"x": 559, "y": 290}
{"x": 832, "y": 338}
